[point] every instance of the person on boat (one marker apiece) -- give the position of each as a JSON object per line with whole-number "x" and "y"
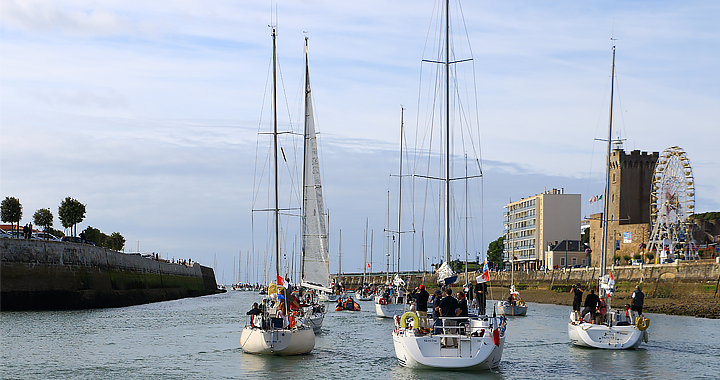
{"x": 255, "y": 310}
{"x": 449, "y": 309}
{"x": 420, "y": 295}
{"x": 470, "y": 293}
{"x": 591, "y": 303}
{"x": 601, "y": 311}
{"x": 481, "y": 297}
{"x": 436, "y": 313}
{"x": 462, "y": 309}
{"x": 386, "y": 294}
{"x": 511, "y": 300}
{"x": 577, "y": 297}
{"x": 282, "y": 313}
{"x": 638, "y": 298}
{"x": 628, "y": 316}
{"x": 400, "y": 295}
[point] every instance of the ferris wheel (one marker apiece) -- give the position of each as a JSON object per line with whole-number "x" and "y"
{"x": 672, "y": 203}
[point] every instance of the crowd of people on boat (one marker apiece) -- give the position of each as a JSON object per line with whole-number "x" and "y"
{"x": 595, "y": 308}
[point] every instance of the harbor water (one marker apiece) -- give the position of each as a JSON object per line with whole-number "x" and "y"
{"x": 198, "y": 338}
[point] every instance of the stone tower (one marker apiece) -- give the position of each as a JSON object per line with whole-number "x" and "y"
{"x": 631, "y": 185}
{"x": 631, "y": 178}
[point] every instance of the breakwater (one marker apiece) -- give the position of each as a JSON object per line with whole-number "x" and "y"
{"x": 49, "y": 275}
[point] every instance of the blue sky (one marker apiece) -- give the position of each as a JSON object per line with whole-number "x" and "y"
{"x": 148, "y": 112}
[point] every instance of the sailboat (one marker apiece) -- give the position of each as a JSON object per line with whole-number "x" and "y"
{"x": 315, "y": 257}
{"x": 391, "y": 301}
{"x": 477, "y": 341}
{"x": 364, "y": 294}
{"x": 264, "y": 334}
{"x": 514, "y": 306}
{"x": 617, "y": 331}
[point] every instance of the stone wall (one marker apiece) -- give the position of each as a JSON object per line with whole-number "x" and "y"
{"x": 62, "y": 275}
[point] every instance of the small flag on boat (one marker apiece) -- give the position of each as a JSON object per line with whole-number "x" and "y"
{"x": 280, "y": 286}
{"x": 485, "y": 276}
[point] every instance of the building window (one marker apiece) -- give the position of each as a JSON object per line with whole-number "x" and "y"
{"x": 562, "y": 261}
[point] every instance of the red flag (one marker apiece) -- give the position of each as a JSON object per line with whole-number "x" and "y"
{"x": 280, "y": 281}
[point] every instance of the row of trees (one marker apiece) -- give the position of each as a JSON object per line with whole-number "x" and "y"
{"x": 113, "y": 241}
{"x": 71, "y": 212}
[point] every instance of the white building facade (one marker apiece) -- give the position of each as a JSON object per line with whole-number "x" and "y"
{"x": 533, "y": 223}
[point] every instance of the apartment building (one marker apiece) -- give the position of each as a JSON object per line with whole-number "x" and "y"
{"x": 533, "y": 223}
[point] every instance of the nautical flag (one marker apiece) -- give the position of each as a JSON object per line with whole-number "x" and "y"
{"x": 485, "y": 276}
{"x": 280, "y": 285}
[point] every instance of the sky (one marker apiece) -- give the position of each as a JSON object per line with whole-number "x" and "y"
{"x": 149, "y": 112}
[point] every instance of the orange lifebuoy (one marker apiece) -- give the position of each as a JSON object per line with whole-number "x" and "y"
{"x": 382, "y": 301}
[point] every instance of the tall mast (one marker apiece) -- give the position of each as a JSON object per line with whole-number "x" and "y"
{"x": 340, "y": 254}
{"x": 275, "y": 157}
{"x": 365, "y": 250}
{"x": 606, "y": 203}
{"x": 305, "y": 154}
{"x": 466, "y": 221}
{"x": 447, "y": 130}
{"x": 402, "y": 125}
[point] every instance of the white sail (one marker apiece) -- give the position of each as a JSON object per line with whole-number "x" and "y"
{"x": 315, "y": 265}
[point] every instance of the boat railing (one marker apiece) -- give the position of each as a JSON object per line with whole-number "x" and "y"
{"x": 458, "y": 327}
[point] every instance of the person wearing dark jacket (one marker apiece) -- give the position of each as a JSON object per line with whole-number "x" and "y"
{"x": 421, "y": 300}
{"x": 481, "y": 297}
{"x": 591, "y": 303}
{"x": 638, "y": 298}
{"x": 449, "y": 308}
{"x": 577, "y": 296}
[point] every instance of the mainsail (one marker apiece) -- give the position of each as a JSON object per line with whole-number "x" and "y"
{"x": 315, "y": 266}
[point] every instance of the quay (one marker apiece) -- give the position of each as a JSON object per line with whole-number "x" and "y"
{"x": 52, "y": 275}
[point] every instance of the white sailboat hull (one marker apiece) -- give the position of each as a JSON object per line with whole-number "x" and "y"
{"x": 607, "y": 337}
{"x": 315, "y": 321}
{"x": 327, "y": 297}
{"x": 389, "y": 310}
{"x": 427, "y": 351}
{"x": 277, "y": 342}
{"x": 509, "y": 310}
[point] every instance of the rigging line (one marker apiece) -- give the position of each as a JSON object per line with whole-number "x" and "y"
{"x": 257, "y": 140}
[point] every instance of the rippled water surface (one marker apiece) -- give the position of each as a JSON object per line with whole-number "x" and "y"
{"x": 198, "y": 338}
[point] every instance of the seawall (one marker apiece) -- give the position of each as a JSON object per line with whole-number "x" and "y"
{"x": 48, "y": 275}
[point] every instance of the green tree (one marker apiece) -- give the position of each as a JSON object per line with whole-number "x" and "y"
{"x": 116, "y": 241}
{"x": 650, "y": 257}
{"x": 495, "y": 251}
{"x": 54, "y": 232}
{"x": 43, "y": 218}
{"x": 71, "y": 212}
{"x": 11, "y": 211}
{"x": 585, "y": 237}
{"x": 96, "y": 236}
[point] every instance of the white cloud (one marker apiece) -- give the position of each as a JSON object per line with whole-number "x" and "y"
{"x": 148, "y": 111}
